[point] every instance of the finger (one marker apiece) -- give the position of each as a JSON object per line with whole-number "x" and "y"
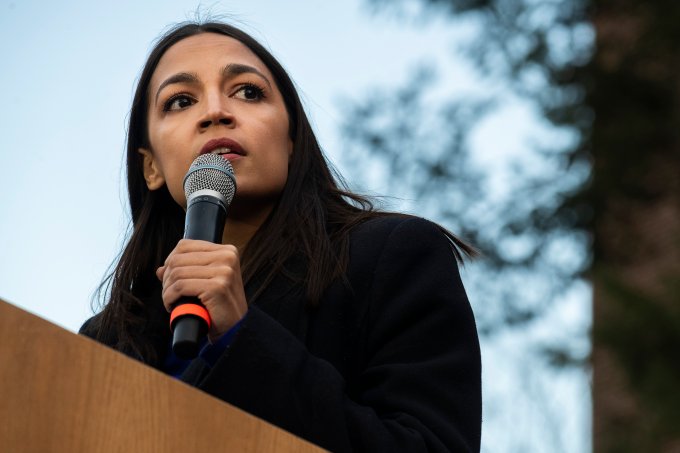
{"x": 224, "y": 254}
{"x": 175, "y": 274}
{"x": 206, "y": 290}
{"x": 159, "y": 273}
{"x": 196, "y": 245}
{"x": 181, "y": 288}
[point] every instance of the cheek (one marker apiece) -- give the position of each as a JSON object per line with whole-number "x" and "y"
{"x": 274, "y": 172}
{"x": 281, "y": 150}
{"x": 174, "y": 176}
{"x": 171, "y": 164}
{"x": 278, "y": 170}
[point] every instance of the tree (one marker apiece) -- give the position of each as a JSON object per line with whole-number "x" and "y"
{"x": 595, "y": 195}
{"x": 534, "y": 228}
{"x": 636, "y": 196}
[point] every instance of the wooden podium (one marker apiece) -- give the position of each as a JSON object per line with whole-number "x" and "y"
{"x": 62, "y": 392}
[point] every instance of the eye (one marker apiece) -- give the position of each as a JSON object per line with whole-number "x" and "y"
{"x": 178, "y": 102}
{"x": 249, "y": 92}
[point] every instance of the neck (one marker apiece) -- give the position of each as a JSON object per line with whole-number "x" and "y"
{"x": 240, "y": 227}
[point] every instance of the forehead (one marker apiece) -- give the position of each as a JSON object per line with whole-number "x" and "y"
{"x": 205, "y": 52}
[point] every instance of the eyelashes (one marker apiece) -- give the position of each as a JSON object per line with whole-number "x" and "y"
{"x": 248, "y": 92}
{"x": 178, "y": 102}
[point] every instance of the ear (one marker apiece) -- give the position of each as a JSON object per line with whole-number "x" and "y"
{"x": 152, "y": 174}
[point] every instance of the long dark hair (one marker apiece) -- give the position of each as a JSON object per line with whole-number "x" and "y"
{"x": 311, "y": 219}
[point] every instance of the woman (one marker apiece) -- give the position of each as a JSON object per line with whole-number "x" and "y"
{"x": 345, "y": 326}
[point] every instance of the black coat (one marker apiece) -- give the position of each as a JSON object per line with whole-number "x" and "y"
{"x": 389, "y": 362}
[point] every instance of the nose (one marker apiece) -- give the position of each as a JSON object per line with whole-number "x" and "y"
{"x": 216, "y": 112}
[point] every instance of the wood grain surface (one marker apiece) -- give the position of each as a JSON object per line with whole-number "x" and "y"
{"x": 62, "y": 392}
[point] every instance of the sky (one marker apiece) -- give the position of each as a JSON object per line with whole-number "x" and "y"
{"x": 69, "y": 73}
{"x": 68, "y": 76}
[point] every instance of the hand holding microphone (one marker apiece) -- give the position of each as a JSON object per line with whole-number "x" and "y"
{"x": 202, "y": 278}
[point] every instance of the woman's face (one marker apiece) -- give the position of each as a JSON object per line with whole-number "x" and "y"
{"x": 210, "y": 93}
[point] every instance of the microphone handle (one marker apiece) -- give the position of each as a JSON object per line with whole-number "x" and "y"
{"x": 190, "y": 321}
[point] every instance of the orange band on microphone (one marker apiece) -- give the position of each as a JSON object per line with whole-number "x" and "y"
{"x": 190, "y": 310}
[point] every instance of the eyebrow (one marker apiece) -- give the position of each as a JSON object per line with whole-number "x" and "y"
{"x": 181, "y": 77}
{"x": 235, "y": 69}
{"x": 230, "y": 70}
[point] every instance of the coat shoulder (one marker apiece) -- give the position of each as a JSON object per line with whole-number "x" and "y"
{"x": 387, "y": 224}
{"x": 373, "y": 235}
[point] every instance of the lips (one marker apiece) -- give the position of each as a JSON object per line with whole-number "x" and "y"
{"x": 223, "y": 146}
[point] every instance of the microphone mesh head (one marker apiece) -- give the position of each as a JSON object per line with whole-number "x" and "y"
{"x": 210, "y": 171}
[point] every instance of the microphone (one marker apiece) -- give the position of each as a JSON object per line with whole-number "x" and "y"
{"x": 209, "y": 186}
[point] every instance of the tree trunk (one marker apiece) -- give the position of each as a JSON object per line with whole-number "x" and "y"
{"x": 635, "y": 94}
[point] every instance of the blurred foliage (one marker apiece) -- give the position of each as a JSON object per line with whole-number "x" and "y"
{"x": 533, "y": 229}
{"x": 601, "y": 161}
